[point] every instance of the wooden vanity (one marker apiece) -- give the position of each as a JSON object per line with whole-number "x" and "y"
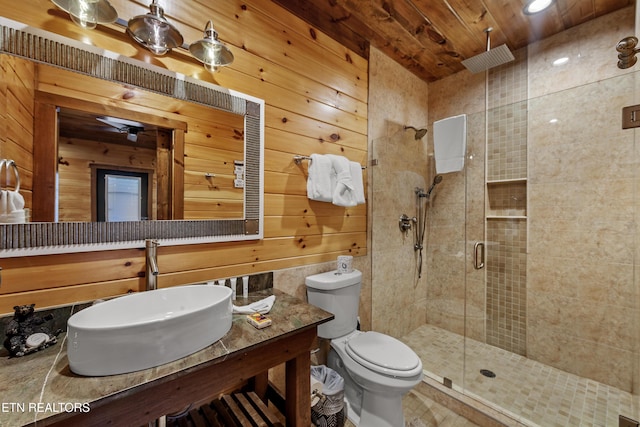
{"x": 41, "y": 389}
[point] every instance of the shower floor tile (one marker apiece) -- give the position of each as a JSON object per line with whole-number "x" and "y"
{"x": 526, "y": 390}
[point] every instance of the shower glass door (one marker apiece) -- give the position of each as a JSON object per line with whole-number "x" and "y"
{"x": 457, "y": 249}
{"x": 552, "y": 321}
{"x": 405, "y": 306}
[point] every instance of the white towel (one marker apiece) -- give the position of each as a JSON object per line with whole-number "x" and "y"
{"x": 358, "y": 186}
{"x": 11, "y": 201}
{"x": 343, "y": 193}
{"x": 321, "y": 180}
{"x": 263, "y": 306}
{"x": 450, "y": 143}
{"x": 15, "y": 217}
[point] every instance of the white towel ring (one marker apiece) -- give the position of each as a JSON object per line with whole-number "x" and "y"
{"x": 6, "y": 164}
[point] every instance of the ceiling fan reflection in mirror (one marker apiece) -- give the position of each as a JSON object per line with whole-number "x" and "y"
{"x": 130, "y": 127}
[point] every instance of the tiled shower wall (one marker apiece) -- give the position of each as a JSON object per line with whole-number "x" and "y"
{"x": 396, "y": 98}
{"x": 582, "y": 290}
{"x": 506, "y": 136}
{"x": 507, "y": 284}
{"x": 506, "y": 241}
{"x": 507, "y": 120}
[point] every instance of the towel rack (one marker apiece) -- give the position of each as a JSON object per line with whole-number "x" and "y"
{"x": 299, "y": 158}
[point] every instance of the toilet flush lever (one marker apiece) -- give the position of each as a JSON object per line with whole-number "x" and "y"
{"x": 478, "y": 260}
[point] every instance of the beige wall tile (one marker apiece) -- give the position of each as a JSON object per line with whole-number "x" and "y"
{"x": 397, "y": 98}
{"x": 457, "y": 94}
{"x": 591, "y": 51}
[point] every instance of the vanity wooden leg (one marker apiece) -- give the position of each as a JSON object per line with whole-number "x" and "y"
{"x": 260, "y": 384}
{"x": 298, "y": 391}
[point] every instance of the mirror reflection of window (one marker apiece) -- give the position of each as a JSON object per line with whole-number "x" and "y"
{"x": 121, "y": 195}
{"x": 123, "y": 198}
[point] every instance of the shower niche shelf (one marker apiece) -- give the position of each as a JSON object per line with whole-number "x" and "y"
{"x": 507, "y": 198}
{"x": 506, "y": 181}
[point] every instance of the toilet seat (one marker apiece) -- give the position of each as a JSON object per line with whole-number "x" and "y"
{"x": 384, "y": 354}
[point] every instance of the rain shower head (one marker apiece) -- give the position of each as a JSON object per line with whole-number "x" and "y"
{"x": 489, "y": 59}
{"x": 419, "y": 132}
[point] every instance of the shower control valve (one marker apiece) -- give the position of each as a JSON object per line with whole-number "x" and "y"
{"x": 405, "y": 223}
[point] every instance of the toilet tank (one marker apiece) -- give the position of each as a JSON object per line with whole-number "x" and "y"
{"x": 338, "y": 294}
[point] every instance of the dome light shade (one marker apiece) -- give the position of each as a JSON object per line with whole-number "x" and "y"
{"x": 153, "y": 31}
{"x": 536, "y": 6}
{"x": 210, "y": 51}
{"x": 88, "y": 13}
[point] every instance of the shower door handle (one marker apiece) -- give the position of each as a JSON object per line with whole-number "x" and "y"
{"x": 478, "y": 251}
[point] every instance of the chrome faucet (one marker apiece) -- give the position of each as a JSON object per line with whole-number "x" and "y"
{"x": 151, "y": 249}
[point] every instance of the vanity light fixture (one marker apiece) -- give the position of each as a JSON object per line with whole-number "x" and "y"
{"x": 88, "y": 13}
{"x": 536, "y": 6}
{"x": 210, "y": 51}
{"x": 153, "y": 31}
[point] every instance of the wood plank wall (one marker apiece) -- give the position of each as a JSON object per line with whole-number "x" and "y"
{"x": 16, "y": 122}
{"x": 213, "y": 147}
{"x": 315, "y": 91}
{"x": 75, "y": 174}
{"x": 212, "y": 143}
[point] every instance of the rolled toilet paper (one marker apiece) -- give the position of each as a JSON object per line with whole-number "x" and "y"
{"x": 345, "y": 264}
{"x": 316, "y": 390}
{"x": 315, "y": 385}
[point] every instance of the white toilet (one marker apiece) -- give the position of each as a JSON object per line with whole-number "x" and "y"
{"x": 378, "y": 369}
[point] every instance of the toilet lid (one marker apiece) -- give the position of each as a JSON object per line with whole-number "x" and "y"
{"x": 384, "y": 354}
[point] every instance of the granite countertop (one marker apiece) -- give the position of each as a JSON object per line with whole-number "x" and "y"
{"x": 40, "y": 385}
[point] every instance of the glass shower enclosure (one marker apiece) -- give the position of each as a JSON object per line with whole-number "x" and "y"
{"x": 551, "y": 323}
{"x": 548, "y": 331}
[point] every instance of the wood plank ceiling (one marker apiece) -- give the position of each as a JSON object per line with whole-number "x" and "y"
{"x": 430, "y": 38}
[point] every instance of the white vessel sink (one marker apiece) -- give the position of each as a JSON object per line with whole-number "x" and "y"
{"x": 147, "y": 329}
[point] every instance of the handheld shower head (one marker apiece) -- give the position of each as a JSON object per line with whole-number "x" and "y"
{"x": 421, "y": 218}
{"x": 420, "y": 133}
{"x": 421, "y": 193}
{"x": 436, "y": 180}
